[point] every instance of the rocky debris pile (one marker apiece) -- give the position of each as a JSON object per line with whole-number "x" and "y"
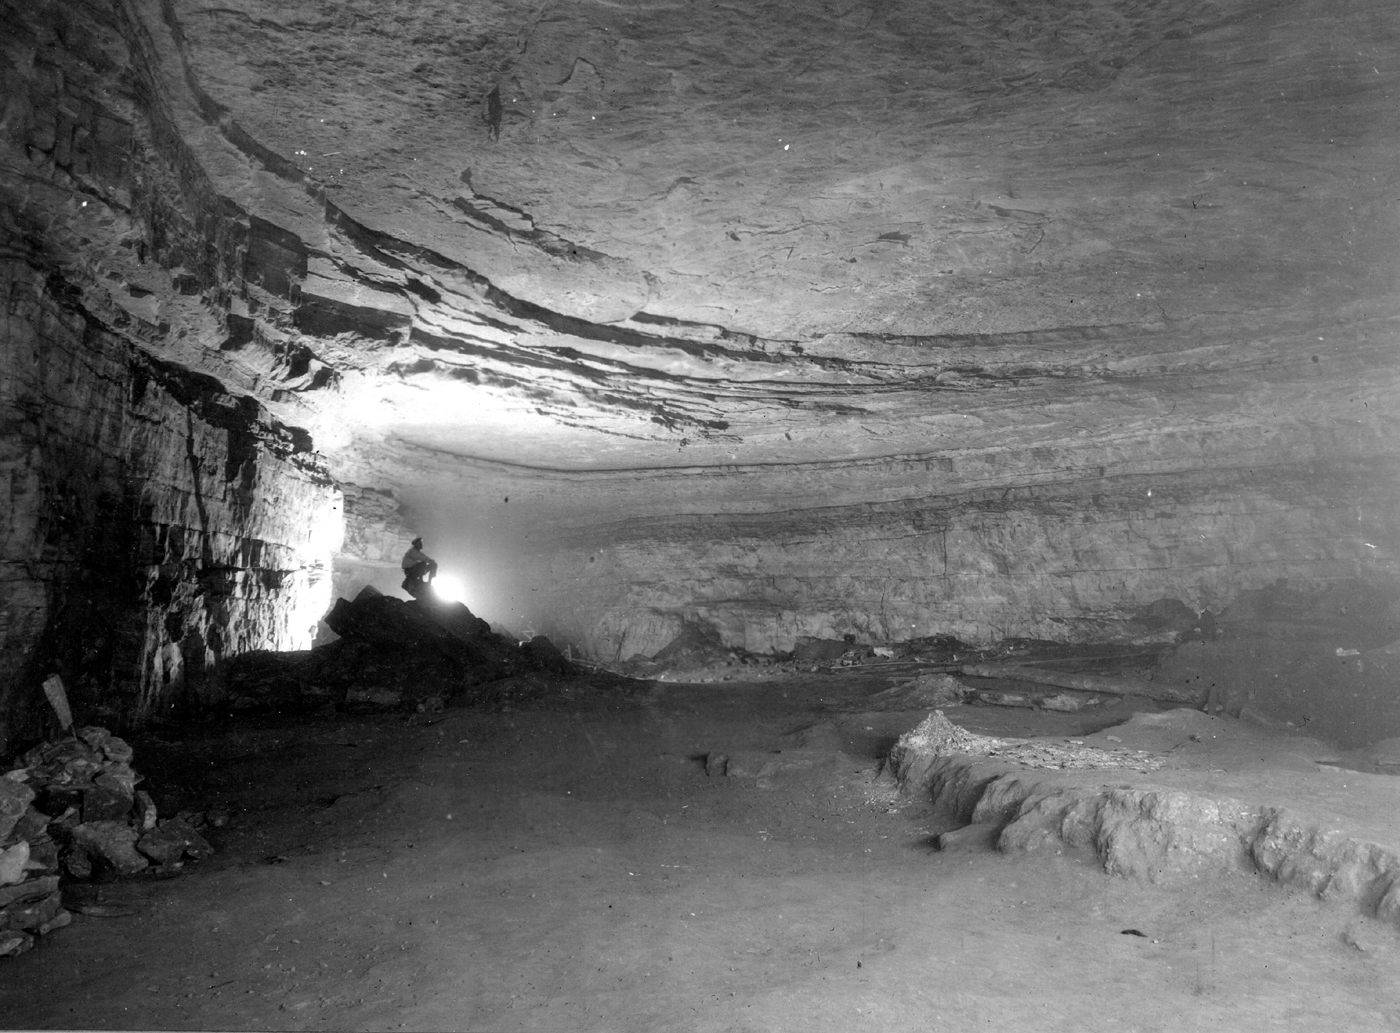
{"x": 937, "y": 736}
{"x": 697, "y": 653}
{"x": 848, "y": 652}
{"x": 71, "y": 807}
{"x": 397, "y": 654}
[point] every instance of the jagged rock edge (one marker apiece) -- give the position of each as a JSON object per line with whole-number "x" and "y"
{"x": 1115, "y": 821}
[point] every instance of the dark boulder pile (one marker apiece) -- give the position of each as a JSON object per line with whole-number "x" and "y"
{"x": 70, "y": 808}
{"x": 399, "y": 654}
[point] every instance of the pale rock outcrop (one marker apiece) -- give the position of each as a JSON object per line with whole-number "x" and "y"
{"x": 1034, "y": 796}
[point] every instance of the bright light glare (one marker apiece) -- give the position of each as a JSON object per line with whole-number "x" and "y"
{"x": 448, "y": 587}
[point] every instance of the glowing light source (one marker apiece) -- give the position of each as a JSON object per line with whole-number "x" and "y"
{"x": 448, "y": 587}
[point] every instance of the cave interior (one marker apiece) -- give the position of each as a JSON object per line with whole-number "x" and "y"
{"x": 772, "y": 355}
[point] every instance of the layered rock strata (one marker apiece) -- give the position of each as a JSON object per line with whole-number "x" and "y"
{"x": 159, "y": 517}
{"x": 155, "y": 523}
{"x": 1067, "y": 561}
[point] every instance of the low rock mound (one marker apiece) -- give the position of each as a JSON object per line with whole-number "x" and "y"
{"x": 395, "y": 653}
{"x": 938, "y": 737}
{"x": 1172, "y": 829}
{"x": 70, "y": 810}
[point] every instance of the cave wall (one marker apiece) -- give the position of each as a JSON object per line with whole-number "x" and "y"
{"x": 374, "y": 542}
{"x": 157, "y": 517}
{"x": 155, "y": 522}
{"x": 1070, "y": 559}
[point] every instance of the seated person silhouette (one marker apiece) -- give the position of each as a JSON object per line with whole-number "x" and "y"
{"x": 418, "y": 570}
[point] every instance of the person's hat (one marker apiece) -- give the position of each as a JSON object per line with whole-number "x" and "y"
{"x": 416, "y": 542}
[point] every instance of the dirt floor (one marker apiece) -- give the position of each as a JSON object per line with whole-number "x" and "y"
{"x": 577, "y": 869}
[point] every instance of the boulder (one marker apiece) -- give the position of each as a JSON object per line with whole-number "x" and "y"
{"x": 415, "y": 629}
{"x": 13, "y": 861}
{"x": 145, "y": 809}
{"x": 171, "y": 841}
{"x": 77, "y": 863}
{"x": 31, "y": 826}
{"x": 31, "y": 915}
{"x": 30, "y": 890}
{"x": 15, "y": 798}
{"x": 105, "y": 803}
{"x": 13, "y": 944}
{"x": 43, "y": 856}
{"x": 391, "y": 652}
{"x": 110, "y": 843}
{"x": 377, "y": 618}
{"x": 455, "y": 618}
{"x": 62, "y": 762}
{"x": 541, "y": 654}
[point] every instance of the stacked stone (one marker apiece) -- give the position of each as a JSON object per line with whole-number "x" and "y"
{"x": 71, "y": 807}
{"x": 30, "y": 904}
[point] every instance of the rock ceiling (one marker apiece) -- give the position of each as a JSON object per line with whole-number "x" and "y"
{"x": 599, "y": 235}
{"x": 855, "y": 273}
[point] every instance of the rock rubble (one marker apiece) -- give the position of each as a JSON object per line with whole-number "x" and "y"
{"x": 393, "y": 654}
{"x": 70, "y": 808}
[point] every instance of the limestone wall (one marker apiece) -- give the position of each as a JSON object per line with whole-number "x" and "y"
{"x": 156, "y": 516}
{"x": 1067, "y": 560}
{"x": 153, "y": 522}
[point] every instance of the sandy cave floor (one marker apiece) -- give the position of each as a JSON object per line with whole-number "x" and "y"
{"x": 576, "y": 869}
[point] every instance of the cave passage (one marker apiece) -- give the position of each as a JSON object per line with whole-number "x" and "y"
{"x": 916, "y": 490}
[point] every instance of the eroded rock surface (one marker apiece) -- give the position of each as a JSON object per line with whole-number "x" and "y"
{"x": 1176, "y": 819}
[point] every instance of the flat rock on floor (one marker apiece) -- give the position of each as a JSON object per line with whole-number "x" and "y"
{"x": 1221, "y": 796}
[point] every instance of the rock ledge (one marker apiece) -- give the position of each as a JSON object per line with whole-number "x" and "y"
{"x": 1156, "y": 832}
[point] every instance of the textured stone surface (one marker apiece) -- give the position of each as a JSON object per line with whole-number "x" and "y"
{"x": 157, "y": 524}
{"x": 33, "y": 916}
{"x": 15, "y": 798}
{"x": 1060, "y": 561}
{"x": 156, "y": 519}
{"x": 995, "y": 320}
{"x": 1145, "y": 828}
{"x": 34, "y": 889}
{"x": 171, "y": 841}
{"x": 109, "y": 844}
{"x": 13, "y": 860}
